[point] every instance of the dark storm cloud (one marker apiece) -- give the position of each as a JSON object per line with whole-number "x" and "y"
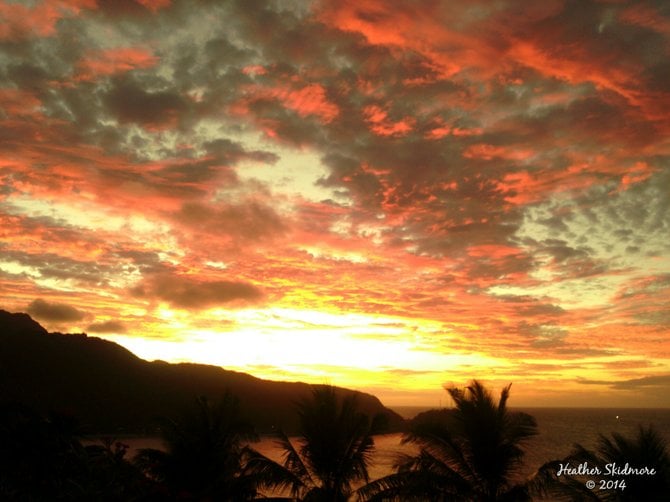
{"x": 90, "y": 260}
{"x": 189, "y": 178}
{"x": 130, "y": 101}
{"x": 145, "y": 261}
{"x": 228, "y": 152}
{"x": 128, "y": 8}
{"x": 28, "y": 76}
{"x": 190, "y": 293}
{"x": 250, "y": 220}
{"x": 410, "y": 180}
{"x": 366, "y": 187}
{"x": 49, "y": 265}
{"x": 54, "y": 312}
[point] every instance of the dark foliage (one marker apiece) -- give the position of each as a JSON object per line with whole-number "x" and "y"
{"x": 646, "y": 449}
{"x": 331, "y": 454}
{"x": 469, "y": 453}
{"x": 43, "y": 459}
{"x": 204, "y": 454}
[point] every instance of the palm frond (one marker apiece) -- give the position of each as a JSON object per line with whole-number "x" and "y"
{"x": 441, "y": 441}
{"x": 472, "y": 450}
{"x": 270, "y": 474}
{"x": 546, "y": 484}
{"x": 293, "y": 461}
{"x": 412, "y": 486}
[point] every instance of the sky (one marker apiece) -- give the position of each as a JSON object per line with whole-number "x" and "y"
{"x": 387, "y": 196}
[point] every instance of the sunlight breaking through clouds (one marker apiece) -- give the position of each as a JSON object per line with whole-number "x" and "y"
{"x": 387, "y": 198}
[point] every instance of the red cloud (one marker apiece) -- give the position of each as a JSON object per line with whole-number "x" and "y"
{"x": 573, "y": 66}
{"x": 442, "y": 129}
{"x": 435, "y": 32}
{"x": 471, "y": 39}
{"x": 638, "y": 173}
{"x": 647, "y": 17}
{"x": 489, "y": 152}
{"x": 154, "y": 5}
{"x": 309, "y": 100}
{"x": 306, "y": 100}
{"x": 493, "y": 251}
{"x": 112, "y": 61}
{"x": 381, "y": 125}
{"x": 18, "y": 102}
{"x": 20, "y": 21}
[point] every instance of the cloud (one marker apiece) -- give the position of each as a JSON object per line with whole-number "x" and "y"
{"x": 496, "y": 167}
{"x": 632, "y": 383}
{"x": 192, "y": 293}
{"x": 648, "y": 381}
{"x": 249, "y": 220}
{"x": 112, "y": 61}
{"x": 107, "y": 327}
{"x": 40, "y": 20}
{"x": 54, "y": 312}
{"x": 131, "y": 8}
{"x": 129, "y": 101}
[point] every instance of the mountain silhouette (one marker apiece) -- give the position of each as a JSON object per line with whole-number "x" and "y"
{"x": 110, "y": 390}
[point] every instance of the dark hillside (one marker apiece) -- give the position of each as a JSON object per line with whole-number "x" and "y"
{"x": 109, "y": 389}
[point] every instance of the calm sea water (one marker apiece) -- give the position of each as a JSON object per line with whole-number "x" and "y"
{"x": 559, "y": 430}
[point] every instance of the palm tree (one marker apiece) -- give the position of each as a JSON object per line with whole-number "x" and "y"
{"x": 204, "y": 451}
{"x": 43, "y": 458}
{"x": 331, "y": 454}
{"x": 470, "y": 452}
{"x": 647, "y": 449}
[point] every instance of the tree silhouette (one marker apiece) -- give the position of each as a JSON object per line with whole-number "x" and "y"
{"x": 331, "y": 454}
{"x": 470, "y": 453}
{"x": 38, "y": 456}
{"x": 42, "y": 458}
{"x": 647, "y": 449}
{"x": 204, "y": 453}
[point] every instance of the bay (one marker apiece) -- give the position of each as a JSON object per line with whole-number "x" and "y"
{"x": 559, "y": 429}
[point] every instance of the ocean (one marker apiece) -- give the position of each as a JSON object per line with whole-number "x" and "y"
{"x": 559, "y": 430}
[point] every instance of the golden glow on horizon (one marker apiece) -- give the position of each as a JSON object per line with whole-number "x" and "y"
{"x": 333, "y": 345}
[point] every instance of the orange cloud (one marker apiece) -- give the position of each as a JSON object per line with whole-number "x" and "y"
{"x": 423, "y": 30}
{"x": 491, "y": 175}
{"x": 40, "y": 20}
{"x": 306, "y": 100}
{"x": 380, "y": 123}
{"x": 155, "y": 5}
{"x": 17, "y": 102}
{"x": 309, "y": 100}
{"x": 485, "y": 151}
{"x": 647, "y": 17}
{"x": 113, "y": 61}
